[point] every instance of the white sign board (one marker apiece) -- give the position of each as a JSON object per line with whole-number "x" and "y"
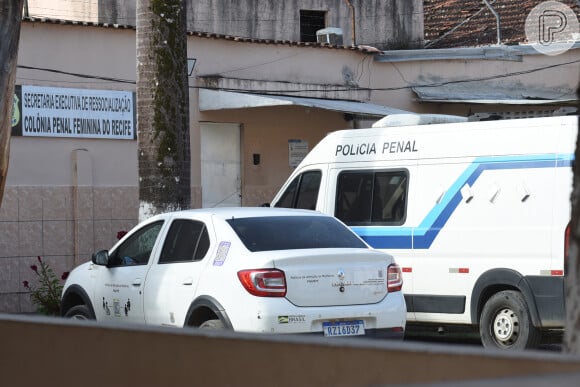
{"x": 82, "y": 113}
{"x": 297, "y": 150}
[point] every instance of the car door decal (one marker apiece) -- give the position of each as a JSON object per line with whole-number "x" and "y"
{"x": 117, "y": 307}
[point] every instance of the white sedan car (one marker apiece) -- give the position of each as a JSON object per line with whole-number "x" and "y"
{"x": 269, "y": 270}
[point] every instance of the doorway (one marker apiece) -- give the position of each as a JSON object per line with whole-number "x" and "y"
{"x": 220, "y": 165}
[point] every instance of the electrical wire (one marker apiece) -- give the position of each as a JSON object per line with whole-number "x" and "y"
{"x": 103, "y": 78}
{"x": 328, "y": 86}
{"x": 261, "y": 64}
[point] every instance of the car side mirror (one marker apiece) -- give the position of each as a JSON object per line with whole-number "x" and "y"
{"x": 101, "y": 258}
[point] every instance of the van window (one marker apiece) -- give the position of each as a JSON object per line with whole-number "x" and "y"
{"x": 302, "y": 192}
{"x": 372, "y": 197}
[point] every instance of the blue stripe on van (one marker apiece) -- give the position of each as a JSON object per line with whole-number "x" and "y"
{"x": 422, "y": 236}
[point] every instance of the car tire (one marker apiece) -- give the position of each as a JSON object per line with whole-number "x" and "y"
{"x": 79, "y": 312}
{"x": 212, "y": 324}
{"x": 506, "y": 323}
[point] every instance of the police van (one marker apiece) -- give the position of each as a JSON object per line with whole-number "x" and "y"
{"x": 475, "y": 213}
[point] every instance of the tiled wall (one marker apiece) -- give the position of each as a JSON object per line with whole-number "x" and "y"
{"x": 64, "y": 225}
{"x": 258, "y": 195}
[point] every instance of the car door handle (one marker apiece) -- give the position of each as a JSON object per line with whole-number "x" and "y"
{"x": 188, "y": 281}
{"x": 137, "y": 282}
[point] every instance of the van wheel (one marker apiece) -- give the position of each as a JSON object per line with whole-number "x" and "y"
{"x": 212, "y": 324}
{"x": 506, "y": 323}
{"x": 79, "y": 312}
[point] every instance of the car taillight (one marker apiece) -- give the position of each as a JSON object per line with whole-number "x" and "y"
{"x": 394, "y": 278}
{"x": 264, "y": 282}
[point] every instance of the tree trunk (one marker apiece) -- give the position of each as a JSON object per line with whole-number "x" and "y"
{"x": 162, "y": 107}
{"x": 572, "y": 280}
{"x": 10, "y": 19}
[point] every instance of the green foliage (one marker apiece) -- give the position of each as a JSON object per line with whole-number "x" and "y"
{"x": 46, "y": 294}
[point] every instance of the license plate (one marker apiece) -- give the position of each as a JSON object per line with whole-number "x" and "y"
{"x": 344, "y": 328}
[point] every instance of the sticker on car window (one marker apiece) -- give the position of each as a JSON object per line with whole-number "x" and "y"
{"x": 222, "y": 253}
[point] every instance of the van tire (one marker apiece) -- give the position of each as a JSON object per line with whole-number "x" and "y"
{"x": 212, "y": 324}
{"x": 506, "y": 323}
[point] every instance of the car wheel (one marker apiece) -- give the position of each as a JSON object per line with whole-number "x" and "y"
{"x": 506, "y": 323}
{"x": 79, "y": 312}
{"x": 212, "y": 324}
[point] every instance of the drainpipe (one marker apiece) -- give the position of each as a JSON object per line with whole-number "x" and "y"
{"x": 496, "y": 18}
{"x": 352, "y": 27}
{"x": 75, "y": 203}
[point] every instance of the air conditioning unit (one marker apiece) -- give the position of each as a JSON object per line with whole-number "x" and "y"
{"x": 330, "y": 35}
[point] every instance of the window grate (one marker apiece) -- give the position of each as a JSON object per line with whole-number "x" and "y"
{"x": 310, "y": 22}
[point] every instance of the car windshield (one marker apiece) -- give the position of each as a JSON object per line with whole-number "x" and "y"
{"x": 294, "y": 232}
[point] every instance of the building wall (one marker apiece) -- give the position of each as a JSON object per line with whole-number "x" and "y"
{"x": 64, "y": 197}
{"x": 86, "y": 10}
{"x": 62, "y": 224}
{"x": 280, "y": 68}
{"x": 393, "y": 81}
{"x": 267, "y": 133}
{"x": 381, "y": 23}
{"x": 117, "y": 11}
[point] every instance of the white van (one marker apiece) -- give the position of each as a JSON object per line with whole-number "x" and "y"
{"x": 475, "y": 213}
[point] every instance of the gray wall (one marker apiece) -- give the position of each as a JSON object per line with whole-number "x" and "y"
{"x": 42, "y": 351}
{"x": 384, "y": 24}
{"x": 118, "y": 12}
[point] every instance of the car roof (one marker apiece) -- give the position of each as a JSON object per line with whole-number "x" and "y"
{"x": 245, "y": 212}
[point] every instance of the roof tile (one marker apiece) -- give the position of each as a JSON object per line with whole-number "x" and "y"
{"x": 479, "y": 24}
